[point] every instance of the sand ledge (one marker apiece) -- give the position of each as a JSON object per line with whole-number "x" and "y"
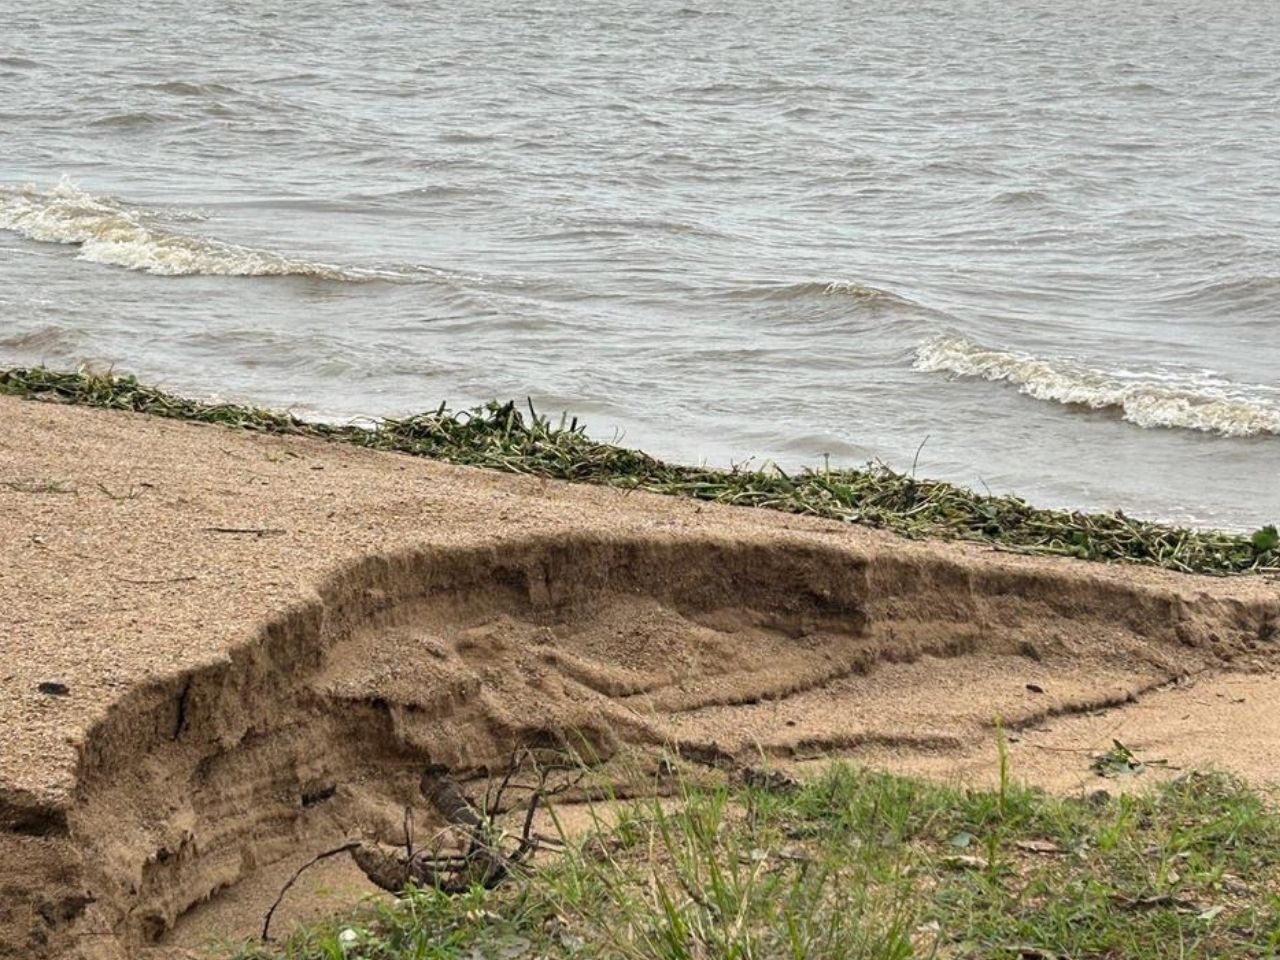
{"x": 219, "y": 683}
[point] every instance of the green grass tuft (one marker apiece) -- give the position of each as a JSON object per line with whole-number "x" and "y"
{"x": 857, "y": 864}
{"x": 504, "y": 437}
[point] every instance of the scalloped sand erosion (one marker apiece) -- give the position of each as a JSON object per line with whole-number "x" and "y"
{"x": 263, "y": 640}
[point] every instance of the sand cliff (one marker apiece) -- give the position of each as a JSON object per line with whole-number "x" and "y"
{"x": 218, "y": 649}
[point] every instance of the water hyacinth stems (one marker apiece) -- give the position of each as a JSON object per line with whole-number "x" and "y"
{"x": 500, "y": 436}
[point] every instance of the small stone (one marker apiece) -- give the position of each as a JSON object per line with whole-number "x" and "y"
{"x": 53, "y": 688}
{"x": 965, "y": 862}
{"x": 1038, "y": 846}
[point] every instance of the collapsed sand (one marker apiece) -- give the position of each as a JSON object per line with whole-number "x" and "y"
{"x": 263, "y": 641}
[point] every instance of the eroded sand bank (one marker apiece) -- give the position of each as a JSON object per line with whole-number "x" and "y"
{"x": 261, "y": 640}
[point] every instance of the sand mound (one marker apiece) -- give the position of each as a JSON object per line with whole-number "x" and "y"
{"x": 419, "y": 630}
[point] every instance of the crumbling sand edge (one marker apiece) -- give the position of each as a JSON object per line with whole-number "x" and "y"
{"x": 194, "y": 777}
{"x": 149, "y": 833}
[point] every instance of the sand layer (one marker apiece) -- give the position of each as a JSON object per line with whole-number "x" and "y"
{"x": 219, "y": 651}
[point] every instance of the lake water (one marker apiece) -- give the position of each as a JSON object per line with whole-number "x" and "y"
{"x": 1034, "y": 245}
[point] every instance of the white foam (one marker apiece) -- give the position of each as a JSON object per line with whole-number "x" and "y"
{"x": 1182, "y": 400}
{"x": 108, "y": 232}
{"x": 859, "y": 291}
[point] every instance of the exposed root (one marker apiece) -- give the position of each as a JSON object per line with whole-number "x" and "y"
{"x": 485, "y": 857}
{"x": 266, "y": 921}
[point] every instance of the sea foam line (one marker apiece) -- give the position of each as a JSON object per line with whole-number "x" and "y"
{"x": 1186, "y": 401}
{"x": 110, "y": 233}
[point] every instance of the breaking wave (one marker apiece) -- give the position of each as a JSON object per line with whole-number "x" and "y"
{"x": 111, "y": 233}
{"x": 1182, "y": 400}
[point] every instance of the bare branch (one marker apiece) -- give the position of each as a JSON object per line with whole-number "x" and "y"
{"x": 345, "y": 848}
{"x": 408, "y": 833}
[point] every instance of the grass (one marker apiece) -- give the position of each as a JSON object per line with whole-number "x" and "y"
{"x": 854, "y": 864}
{"x": 503, "y": 437}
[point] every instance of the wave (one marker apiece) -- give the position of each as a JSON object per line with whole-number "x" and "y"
{"x": 132, "y": 120}
{"x": 1245, "y": 299}
{"x": 41, "y": 340}
{"x": 184, "y": 88}
{"x": 114, "y": 234}
{"x": 1181, "y": 400}
{"x": 1022, "y": 198}
{"x": 806, "y": 289}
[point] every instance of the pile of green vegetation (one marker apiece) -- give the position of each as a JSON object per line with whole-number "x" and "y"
{"x": 862, "y": 865}
{"x": 502, "y": 437}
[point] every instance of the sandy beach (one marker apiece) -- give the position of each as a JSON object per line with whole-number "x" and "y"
{"x": 219, "y": 650}
{"x": 639, "y": 481}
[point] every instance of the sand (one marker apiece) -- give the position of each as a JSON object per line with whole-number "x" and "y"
{"x": 251, "y": 645}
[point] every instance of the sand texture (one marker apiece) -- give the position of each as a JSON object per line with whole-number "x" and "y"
{"x": 220, "y": 650}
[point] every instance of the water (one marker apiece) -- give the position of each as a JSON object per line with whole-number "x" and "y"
{"x": 1045, "y": 239}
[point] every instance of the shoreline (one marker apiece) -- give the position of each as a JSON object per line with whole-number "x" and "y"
{"x": 276, "y": 618}
{"x": 499, "y": 436}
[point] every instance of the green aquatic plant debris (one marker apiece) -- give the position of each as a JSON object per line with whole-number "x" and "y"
{"x": 503, "y": 436}
{"x": 1120, "y": 761}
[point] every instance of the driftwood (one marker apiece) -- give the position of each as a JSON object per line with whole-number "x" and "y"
{"x": 487, "y": 855}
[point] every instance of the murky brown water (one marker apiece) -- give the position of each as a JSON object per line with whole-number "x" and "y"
{"x": 1046, "y": 239}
